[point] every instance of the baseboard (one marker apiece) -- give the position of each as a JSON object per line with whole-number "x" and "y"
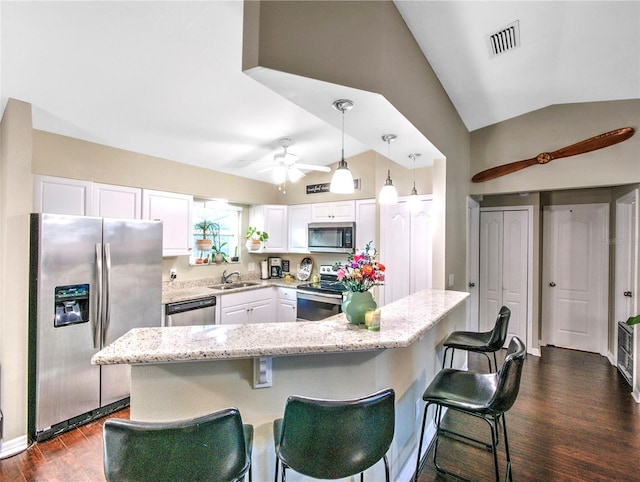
{"x": 636, "y": 395}
{"x": 535, "y": 352}
{"x": 13, "y": 447}
{"x": 408, "y": 470}
{"x": 612, "y": 359}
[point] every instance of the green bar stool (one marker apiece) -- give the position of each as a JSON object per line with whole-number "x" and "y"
{"x": 484, "y": 395}
{"x": 332, "y": 439}
{"x": 480, "y": 342}
{"x": 213, "y": 447}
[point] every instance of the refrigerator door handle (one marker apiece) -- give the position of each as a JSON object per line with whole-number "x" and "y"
{"x": 98, "y": 318}
{"x": 107, "y": 295}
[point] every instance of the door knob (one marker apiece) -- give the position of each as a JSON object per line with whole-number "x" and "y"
{"x": 472, "y": 285}
{"x": 627, "y": 293}
{"x": 552, "y": 284}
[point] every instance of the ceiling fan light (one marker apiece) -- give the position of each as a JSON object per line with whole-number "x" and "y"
{"x": 294, "y": 174}
{"x": 342, "y": 179}
{"x": 279, "y": 174}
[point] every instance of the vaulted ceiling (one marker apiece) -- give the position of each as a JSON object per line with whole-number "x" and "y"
{"x": 165, "y": 79}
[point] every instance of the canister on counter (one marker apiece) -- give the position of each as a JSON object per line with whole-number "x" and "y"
{"x": 372, "y": 320}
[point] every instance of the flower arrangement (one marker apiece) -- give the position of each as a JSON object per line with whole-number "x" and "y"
{"x": 361, "y": 272}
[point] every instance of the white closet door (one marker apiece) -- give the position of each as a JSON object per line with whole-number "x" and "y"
{"x": 504, "y": 276}
{"x": 395, "y": 251}
{"x": 514, "y": 271}
{"x": 421, "y": 247}
{"x": 491, "y": 250}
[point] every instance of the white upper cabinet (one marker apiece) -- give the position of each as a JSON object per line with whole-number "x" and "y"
{"x": 174, "y": 210}
{"x": 339, "y": 212}
{"x": 271, "y": 218}
{"x": 299, "y": 218}
{"x": 57, "y": 195}
{"x": 111, "y": 201}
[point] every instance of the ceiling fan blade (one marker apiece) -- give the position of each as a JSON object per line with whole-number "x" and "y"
{"x": 312, "y": 167}
{"x": 593, "y": 143}
{"x": 295, "y": 174}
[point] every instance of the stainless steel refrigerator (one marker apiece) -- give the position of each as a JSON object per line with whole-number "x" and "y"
{"x": 91, "y": 281}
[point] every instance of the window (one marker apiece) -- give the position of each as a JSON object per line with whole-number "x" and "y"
{"x": 222, "y": 223}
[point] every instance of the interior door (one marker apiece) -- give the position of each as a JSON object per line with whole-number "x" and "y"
{"x": 626, "y": 274}
{"x": 575, "y": 276}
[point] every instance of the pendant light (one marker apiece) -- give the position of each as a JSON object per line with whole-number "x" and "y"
{"x": 388, "y": 193}
{"x": 342, "y": 180}
{"x": 413, "y": 203}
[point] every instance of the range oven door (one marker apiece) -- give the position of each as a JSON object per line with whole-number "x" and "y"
{"x": 318, "y": 306}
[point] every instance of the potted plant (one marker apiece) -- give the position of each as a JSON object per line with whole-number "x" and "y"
{"x": 204, "y": 226}
{"x": 255, "y": 238}
{"x": 633, "y": 320}
{"x": 218, "y": 256}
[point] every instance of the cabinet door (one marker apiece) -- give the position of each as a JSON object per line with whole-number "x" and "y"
{"x": 271, "y": 218}
{"x": 344, "y": 211}
{"x": 366, "y": 222}
{"x": 174, "y": 210}
{"x": 234, "y": 315}
{"x": 117, "y": 201}
{"x": 286, "y": 310}
{"x": 261, "y": 311}
{"x": 57, "y": 195}
{"x": 339, "y": 211}
{"x": 299, "y": 217}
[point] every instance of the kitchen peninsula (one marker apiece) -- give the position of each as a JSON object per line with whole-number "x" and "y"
{"x": 182, "y": 372}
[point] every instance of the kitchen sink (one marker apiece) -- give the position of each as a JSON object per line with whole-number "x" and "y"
{"x": 236, "y": 285}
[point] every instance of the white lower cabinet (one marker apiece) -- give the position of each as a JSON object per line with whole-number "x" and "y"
{"x": 286, "y": 305}
{"x": 254, "y": 306}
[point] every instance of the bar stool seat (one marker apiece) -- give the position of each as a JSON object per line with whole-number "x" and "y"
{"x": 484, "y": 395}
{"x": 480, "y": 342}
{"x": 333, "y": 439}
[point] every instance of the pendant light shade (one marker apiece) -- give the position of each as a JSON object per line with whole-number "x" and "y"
{"x": 413, "y": 203}
{"x": 388, "y": 193}
{"x": 342, "y": 179}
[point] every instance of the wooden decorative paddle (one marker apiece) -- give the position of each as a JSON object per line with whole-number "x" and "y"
{"x": 594, "y": 143}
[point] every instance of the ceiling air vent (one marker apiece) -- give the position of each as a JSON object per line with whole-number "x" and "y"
{"x": 505, "y": 39}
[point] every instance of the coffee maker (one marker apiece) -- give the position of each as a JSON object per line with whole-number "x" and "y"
{"x": 275, "y": 267}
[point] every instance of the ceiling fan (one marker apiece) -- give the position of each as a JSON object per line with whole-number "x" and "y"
{"x": 285, "y": 166}
{"x": 593, "y": 143}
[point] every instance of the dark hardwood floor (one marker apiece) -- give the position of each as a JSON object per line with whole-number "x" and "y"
{"x": 574, "y": 420}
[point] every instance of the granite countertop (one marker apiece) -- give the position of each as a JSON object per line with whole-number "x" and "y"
{"x": 402, "y": 323}
{"x": 176, "y": 291}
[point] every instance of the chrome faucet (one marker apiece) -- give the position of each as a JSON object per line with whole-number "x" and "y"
{"x": 226, "y": 277}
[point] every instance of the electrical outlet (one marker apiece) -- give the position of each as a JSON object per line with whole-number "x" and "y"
{"x": 173, "y": 273}
{"x": 451, "y": 280}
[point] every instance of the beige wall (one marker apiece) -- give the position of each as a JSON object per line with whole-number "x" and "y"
{"x": 15, "y": 206}
{"x": 367, "y": 45}
{"x": 551, "y": 128}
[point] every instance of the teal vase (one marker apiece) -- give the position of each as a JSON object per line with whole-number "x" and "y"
{"x": 356, "y": 304}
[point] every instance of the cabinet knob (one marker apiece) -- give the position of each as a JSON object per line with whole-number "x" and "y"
{"x": 472, "y": 285}
{"x": 552, "y": 284}
{"x": 628, "y": 293}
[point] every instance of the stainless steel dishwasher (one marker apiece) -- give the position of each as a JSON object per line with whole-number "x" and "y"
{"x": 192, "y": 312}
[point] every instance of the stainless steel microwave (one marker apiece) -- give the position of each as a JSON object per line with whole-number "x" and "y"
{"x": 332, "y": 237}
